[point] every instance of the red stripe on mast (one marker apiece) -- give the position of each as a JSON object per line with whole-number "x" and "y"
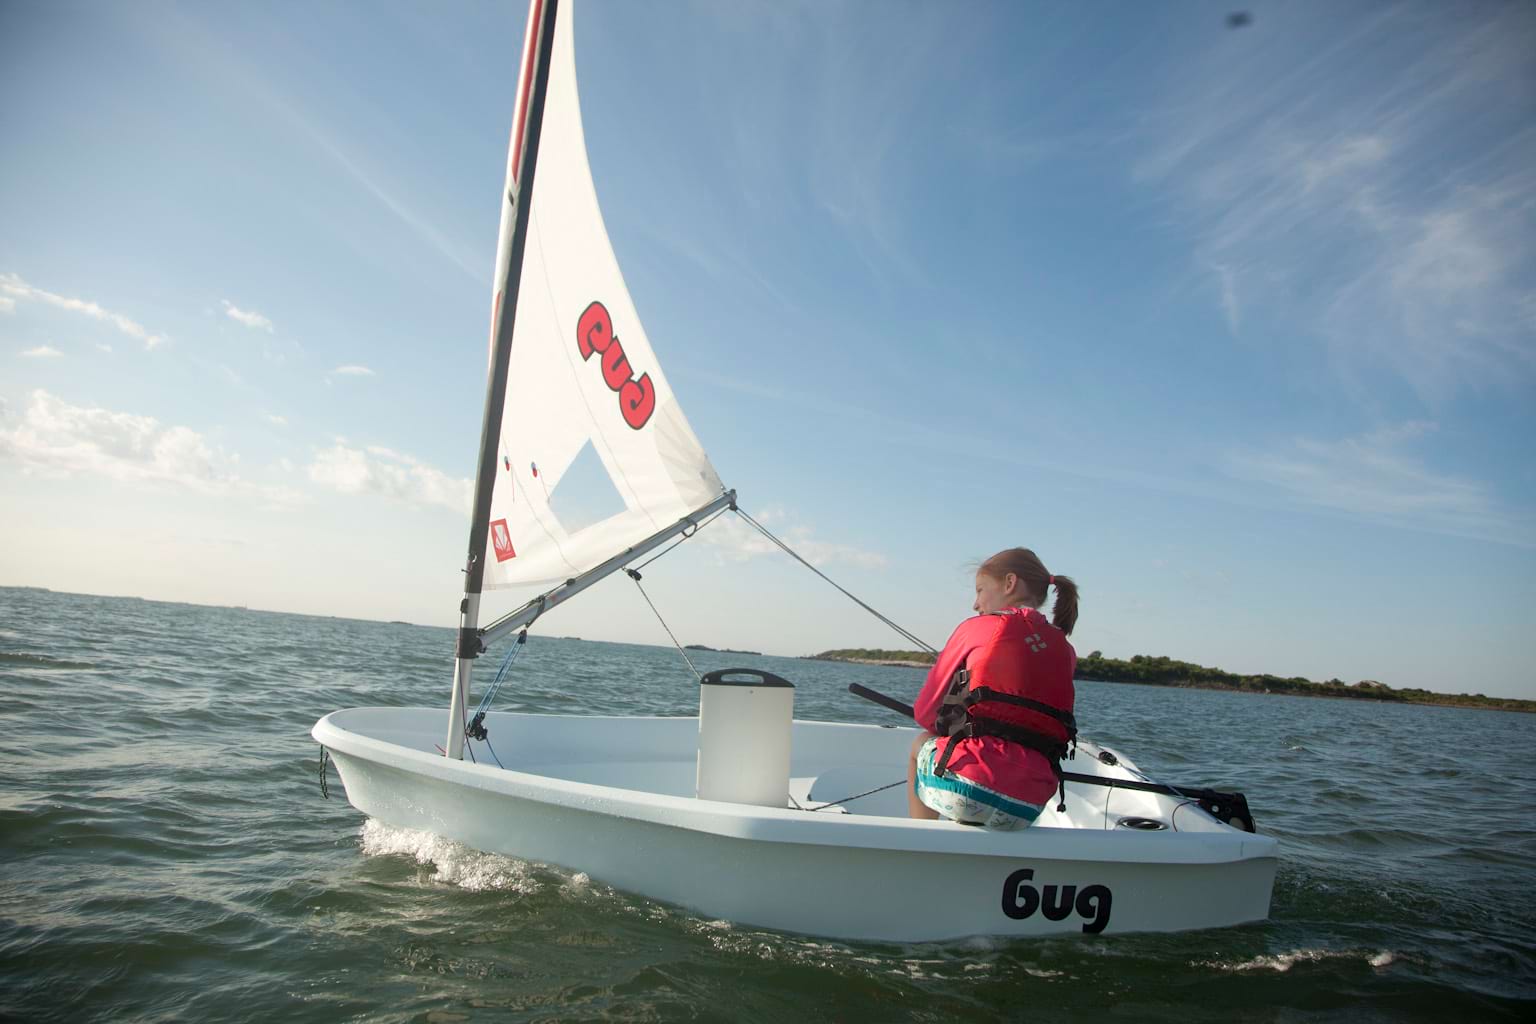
{"x": 530, "y": 48}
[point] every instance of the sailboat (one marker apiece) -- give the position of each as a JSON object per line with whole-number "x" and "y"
{"x": 742, "y": 812}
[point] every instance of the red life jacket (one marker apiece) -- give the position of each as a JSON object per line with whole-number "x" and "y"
{"x": 1017, "y": 686}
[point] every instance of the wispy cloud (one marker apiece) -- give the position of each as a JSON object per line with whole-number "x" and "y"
{"x": 852, "y": 172}
{"x": 1378, "y": 193}
{"x": 7, "y": 304}
{"x": 42, "y": 352}
{"x": 353, "y": 370}
{"x": 1229, "y": 301}
{"x": 246, "y": 317}
{"x": 1377, "y": 478}
{"x": 14, "y": 288}
{"x": 854, "y": 169}
{"x": 55, "y": 438}
{"x": 388, "y": 474}
{"x": 276, "y": 420}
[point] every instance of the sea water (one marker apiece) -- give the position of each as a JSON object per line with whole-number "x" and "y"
{"x": 166, "y": 853}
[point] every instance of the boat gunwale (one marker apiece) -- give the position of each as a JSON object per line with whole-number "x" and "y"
{"x": 789, "y": 825}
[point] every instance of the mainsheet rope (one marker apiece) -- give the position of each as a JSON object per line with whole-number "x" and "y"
{"x": 906, "y": 634}
{"x": 847, "y": 799}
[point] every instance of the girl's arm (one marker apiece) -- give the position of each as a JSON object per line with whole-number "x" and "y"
{"x": 964, "y": 640}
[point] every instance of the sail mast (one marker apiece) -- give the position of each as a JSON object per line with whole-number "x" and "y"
{"x": 517, "y": 200}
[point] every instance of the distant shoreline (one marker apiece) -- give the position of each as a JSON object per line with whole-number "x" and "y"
{"x": 719, "y": 650}
{"x": 882, "y": 662}
{"x": 1162, "y": 671}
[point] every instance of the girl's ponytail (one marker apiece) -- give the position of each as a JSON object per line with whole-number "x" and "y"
{"x": 1064, "y": 611}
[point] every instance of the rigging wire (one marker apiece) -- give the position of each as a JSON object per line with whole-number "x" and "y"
{"x": 475, "y": 730}
{"x": 686, "y": 534}
{"x": 501, "y": 675}
{"x": 906, "y": 634}
{"x": 634, "y": 574}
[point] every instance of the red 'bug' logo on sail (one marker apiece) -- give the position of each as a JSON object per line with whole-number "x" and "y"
{"x": 501, "y": 541}
{"x": 594, "y": 333}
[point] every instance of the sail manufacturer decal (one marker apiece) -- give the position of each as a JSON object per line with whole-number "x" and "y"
{"x": 594, "y": 333}
{"x": 501, "y": 540}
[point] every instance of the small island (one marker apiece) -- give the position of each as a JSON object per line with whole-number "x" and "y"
{"x": 719, "y": 650}
{"x": 875, "y": 656}
{"x": 1163, "y": 671}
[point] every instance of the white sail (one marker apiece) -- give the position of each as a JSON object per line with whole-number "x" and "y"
{"x": 581, "y": 372}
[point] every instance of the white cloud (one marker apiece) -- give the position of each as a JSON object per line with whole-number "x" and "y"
{"x": 246, "y": 317}
{"x": 1376, "y": 478}
{"x": 55, "y": 438}
{"x": 14, "y": 288}
{"x": 59, "y": 438}
{"x": 353, "y": 370}
{"x": 42, "y": 352}
{"x": 7, "y": 304}
{"x": 276, "y": 420}
{"x": 393, "y": 475}
{"x": 103, "y": 346}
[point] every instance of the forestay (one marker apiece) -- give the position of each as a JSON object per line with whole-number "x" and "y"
{"x": 581, "y": 370}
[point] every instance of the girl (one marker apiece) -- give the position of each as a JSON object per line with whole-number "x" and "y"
{"x": 997, "y": 705}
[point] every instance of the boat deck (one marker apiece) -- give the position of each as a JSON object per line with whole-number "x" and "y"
{"x": 830, "y": 763}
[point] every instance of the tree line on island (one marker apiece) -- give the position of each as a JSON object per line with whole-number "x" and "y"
{"x": 1163, "y": 671}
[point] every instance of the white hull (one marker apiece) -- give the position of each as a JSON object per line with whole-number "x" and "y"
{"x": 613, "y": 797}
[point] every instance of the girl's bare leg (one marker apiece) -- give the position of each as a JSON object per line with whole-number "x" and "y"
{"x": 915, "y": 807}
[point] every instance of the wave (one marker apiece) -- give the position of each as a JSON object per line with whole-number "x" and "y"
{"x": 40, "y": 661}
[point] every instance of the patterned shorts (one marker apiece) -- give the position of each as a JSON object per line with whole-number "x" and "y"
{"x": 960, "y": 799}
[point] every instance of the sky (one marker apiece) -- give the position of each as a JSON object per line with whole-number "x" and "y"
{"x": 1235, "y": 326}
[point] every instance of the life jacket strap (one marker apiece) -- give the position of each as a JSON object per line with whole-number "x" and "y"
{"x": 983, "y": 694}
{"x": 1053, "y": 749}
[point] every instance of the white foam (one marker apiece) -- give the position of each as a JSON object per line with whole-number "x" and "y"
{"x": 452, "y": 862}
{"x": 1282, "y": 962}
